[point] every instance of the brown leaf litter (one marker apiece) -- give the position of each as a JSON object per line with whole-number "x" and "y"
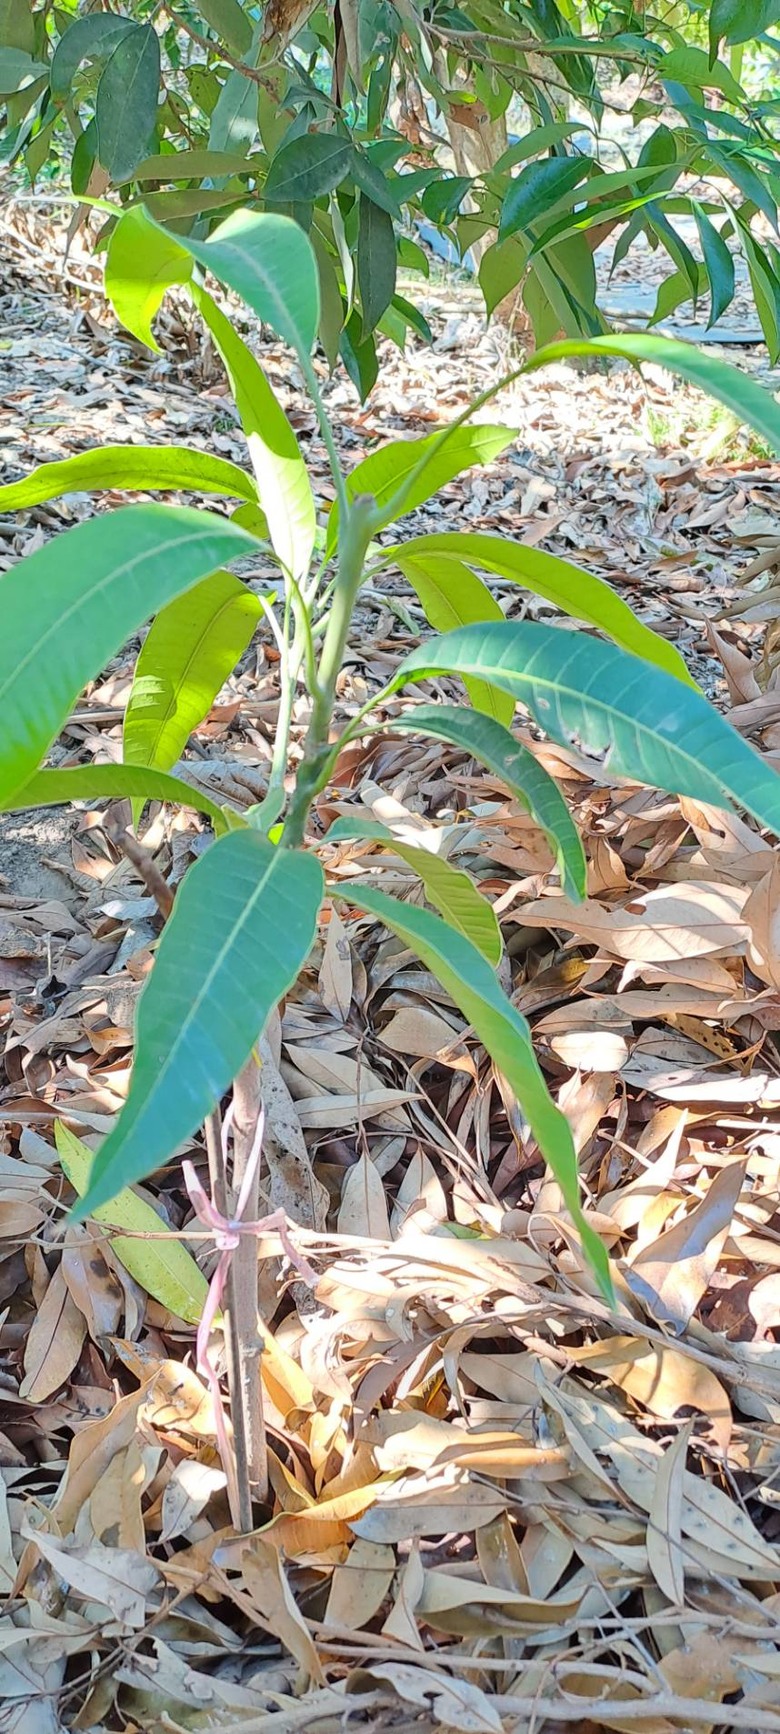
{"x": 496, "y": 1505}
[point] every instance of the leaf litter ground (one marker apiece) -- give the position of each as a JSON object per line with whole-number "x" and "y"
{"x": 495, "y": 1505}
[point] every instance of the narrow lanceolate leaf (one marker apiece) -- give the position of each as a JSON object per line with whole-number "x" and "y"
{"x": 157, "y": 1260}
{"x": 751, "y": 402}
{"x": 472, "y": 985}
{"x": 633, "y": 720}
{"x": 452, "y": 595}
{"x": 525, "y": 778}
{"x": 450, "y": 890}
{"x": 282, "y": 479}
{"x": 187, "y": 655}
{"x": 241, "y": 929}
{"x": 143, "y": 261}
{"x": 376, "y": 261}
{"x": 113, "y": 783}
{"x": 126, "y": 102}
{"x": 718, "y": 262}
{"x": 577, "y": 592}
{"x": 399, "y": 473}
{"x": 149, "y": 469}
{"x": 270, "y": 263}
{"x": 67, "y": 608}
{"x": 538, "y": 187}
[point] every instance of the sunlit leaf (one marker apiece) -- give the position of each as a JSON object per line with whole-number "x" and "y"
{"x": 242, "y": 926}
{"x": 153, "y": 1256}
{"x": 187, "y": 655}
{"x": 452, "y": 595}
{"x": 632, "y": 720}
{"x": 385, "y": 471}
{"x": 282, "y": 478}
{"x": 148, "y": 469}
{"x": 525, "y": 778}
{"x": 577, "y": 592}
{"x": 450, "y": 890}
{"x": 473, "y": 987}
{"x": 69, "y": 606}
{"x": 112, "y": 783}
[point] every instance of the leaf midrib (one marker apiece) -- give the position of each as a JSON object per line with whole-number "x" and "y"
{"x": 499, "y": 676}
{"x": 87, "y": 596}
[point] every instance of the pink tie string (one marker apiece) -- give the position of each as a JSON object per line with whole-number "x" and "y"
{"x": 227, "y": 1232}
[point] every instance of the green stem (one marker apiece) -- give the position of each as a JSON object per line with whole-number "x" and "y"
{"x": 327, "y": 436}
{"x": 357, "y": 524}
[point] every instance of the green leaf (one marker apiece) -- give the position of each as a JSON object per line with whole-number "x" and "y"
{"x": 111, "y": 783}
{"x": 17, "y": 26}
{"x": 750, "y": 402}
{"x": 472, "y": 985}
{"x": 693, "y": 68}
{"x": 540, "y": 138}
{"x": 270, "y": 263}
{"x": 234, "y": 116}
{"x": 385, "y": 471}
{"x": 92, "y": 37}
{"x": 578, "y": 593}
{"x": 634, "y": 720}
{"x": 442, "y": 200}
{"x": 243, "y": 924}
{"x": 186, "y": 657}
{"x": 451, "y": 891}
{"x": 741, "y": 20}
{"x": 150, "y": 469}
{"x": 126, "y": 102}
{"x": 229, "y": 22}
{"x": 282, "y": 479}
{"x": 142, "y": 262}
{"x": 375, "y": 185}
{"x": 17, "y": 70}
{"x": 360, "y": 360}
{"x": 680, "y": 255}
{"x": 525, "y": 778}
{"x": 163, "y": 1266}
{"x": 452, "y": 595}
{"x": 718, "y": 262}
{"x": 376, "y": 261}
{"x": 500, "y": 270}
{"x": 331, "y": 304}
{"x": 532, "y": 192}
{"x": 68, "y": 607}
{"x": 307, "y": 168}
{"x": 674, "y": 290}
{"x": 766, "y": 288}
{"x": 195, "y": 165}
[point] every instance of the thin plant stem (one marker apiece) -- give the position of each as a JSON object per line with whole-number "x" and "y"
{"x": 241, "y": 1501}
{"x": 356, "y": 528}
{"x": 247, "y": 1395}
{"x": 327, "y": 436}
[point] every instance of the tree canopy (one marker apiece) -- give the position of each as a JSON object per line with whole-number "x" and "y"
{"x": 377, "y": 122}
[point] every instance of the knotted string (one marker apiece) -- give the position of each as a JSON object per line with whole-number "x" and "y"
{"x": 227, "y": 1232}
